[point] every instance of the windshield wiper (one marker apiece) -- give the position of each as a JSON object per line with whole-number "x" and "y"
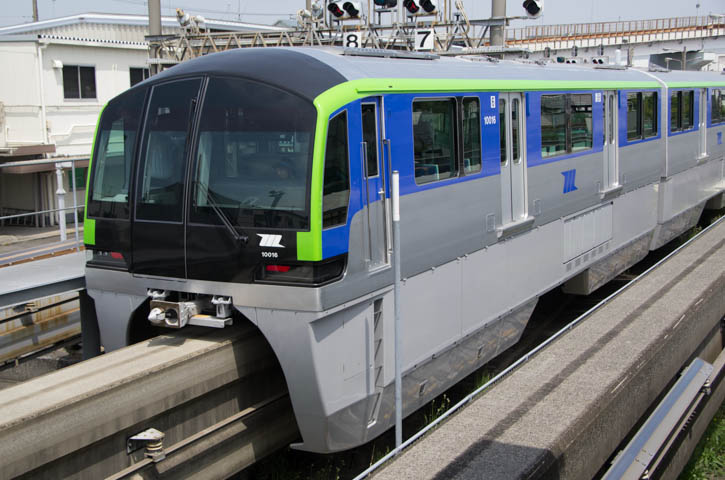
{"x": 233, "y": 231}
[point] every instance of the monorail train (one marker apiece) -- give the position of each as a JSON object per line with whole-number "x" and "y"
{"x": 254, "y": 185}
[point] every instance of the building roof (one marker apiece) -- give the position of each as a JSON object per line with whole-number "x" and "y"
{"x": 117, "y": 27}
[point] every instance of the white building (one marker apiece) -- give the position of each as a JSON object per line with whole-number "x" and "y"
{"x": 57, "y": 75}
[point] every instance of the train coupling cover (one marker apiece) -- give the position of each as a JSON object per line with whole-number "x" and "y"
{"x": 178, "y": 314}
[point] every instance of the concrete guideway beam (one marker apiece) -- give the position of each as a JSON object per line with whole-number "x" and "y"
{"x": 76, "y": 421}
{"x": 564, "y": 414}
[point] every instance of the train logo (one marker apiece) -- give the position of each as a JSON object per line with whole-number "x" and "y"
{"x": 270, "y": 241}
{"x": 569, "y": 177}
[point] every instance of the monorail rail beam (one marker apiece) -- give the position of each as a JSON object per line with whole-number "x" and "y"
{"x": 75, "y": 422}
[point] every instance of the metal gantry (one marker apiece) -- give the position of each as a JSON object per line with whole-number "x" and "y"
{"x": 458, "y": 36}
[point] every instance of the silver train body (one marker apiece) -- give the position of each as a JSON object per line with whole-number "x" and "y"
{"x": 478, "y": 248}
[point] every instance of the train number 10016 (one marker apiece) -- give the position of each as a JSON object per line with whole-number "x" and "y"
{"x": 489, "y": 119}
{"x": 269, "y": 255}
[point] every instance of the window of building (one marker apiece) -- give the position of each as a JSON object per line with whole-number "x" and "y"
{"x": 471, "y": 135}
{"x": 138, "y": 75}
{"x": 79, "y": 82}
{"x": 682, "y": 110}
{"x": 566, "y": 124}
{"x": 434, "y": 140}
{"x": 641, "y": 115}
{"x": 336, "y": 186}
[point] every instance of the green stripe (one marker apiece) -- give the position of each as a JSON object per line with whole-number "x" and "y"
{"x": 721, "y": 83}
{"x": 89, "y": 224}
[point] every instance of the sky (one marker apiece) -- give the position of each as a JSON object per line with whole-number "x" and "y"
{"x": 14, "y": 12}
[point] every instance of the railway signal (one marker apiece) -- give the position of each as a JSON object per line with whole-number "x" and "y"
{"x": 533, "y": 8}
{"x": 345, "y": 10}
{"x": 421, "y": 7}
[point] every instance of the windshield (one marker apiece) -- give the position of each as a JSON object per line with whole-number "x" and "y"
{"x": 113, "y": 156}
{"x": 254, "y": 155}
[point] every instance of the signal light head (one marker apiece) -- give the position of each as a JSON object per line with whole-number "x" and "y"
{"x": 350, "y": 9}
{"x": 336, "y": 10}
{"x": 386, "y": 3}
{"x": 428, "y": 5}
{"x": 533, "y": 7}
{"x": 411, "y": 6}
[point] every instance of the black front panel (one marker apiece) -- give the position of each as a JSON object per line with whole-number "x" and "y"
{"x": 213, "y": 253}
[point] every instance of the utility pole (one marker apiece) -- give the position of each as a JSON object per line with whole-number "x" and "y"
{"x": 498, "y": 10}
{"x": 35, "y": 10}
{"x": 154, "y": 30}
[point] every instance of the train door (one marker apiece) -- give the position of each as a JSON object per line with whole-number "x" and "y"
{"x": 610, "y": 139}
{"x": 513, "y": 158}
{"x": 158, "y": 231}
{"x": 703, "y": 122}
{"x": 375, "y": 172}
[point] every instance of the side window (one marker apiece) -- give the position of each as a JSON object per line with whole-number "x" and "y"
{"x": 471, "y": 135}
{"x": 434, "y": 140}
{"x": 581, "y": 122}
{"x": 675, "y": 119}
{"x": 161, "y": 179}
{"x": 634, "y": 116}
{"x": 649, "y": 114}
{"x": 553, "y": 125}
{"x": 688, "y": 102}
{"x": 336, "y": 186}
{"x": 715, "y": 106}
{"x": 113, "y": 156}
{"x": 682, "y": 110}
{"x": 641, "y": 115}
{"x": 370, "y": 136}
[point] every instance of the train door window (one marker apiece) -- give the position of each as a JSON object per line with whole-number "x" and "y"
{"x": 582, "y": 134}
{"x": 721, "y": 95}
{"x": 675, "y": 120}
{"x": 471, "y": 135}
{"x": 434, "y": 139}
{"x": 161, "y": 178}
{"x": 611, "y": 118}
{"x": 502, "y": 130}
{"x": 634, "y": 116}
{"x": 515, "y": 127}
{"x": 688, "y": 101}
{"x": 604, "y": 121}
{"x": 649, "y": 114}
{"x": 715, "y": 106}
{"x": 336, "y": 185}
{"x": 370, "y": 137}
{"x": 553, "y": 125}
{"x": 114, "y": 155}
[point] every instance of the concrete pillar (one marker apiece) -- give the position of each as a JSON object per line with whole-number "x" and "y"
{"x": 60, "y": 193}
{"x": 498, "y": 10}
{"x": 154, "y": 29}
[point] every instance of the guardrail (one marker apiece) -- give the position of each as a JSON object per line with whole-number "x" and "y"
{"x": 60, "y": 164}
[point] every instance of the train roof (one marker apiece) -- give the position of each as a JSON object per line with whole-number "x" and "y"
{"x": 310, "y": 71}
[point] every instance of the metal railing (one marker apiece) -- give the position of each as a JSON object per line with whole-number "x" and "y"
{"x": 60, "y": 164}
{"x": 633, "y": 31}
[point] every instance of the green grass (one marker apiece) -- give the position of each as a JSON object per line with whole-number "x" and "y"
{"x": 708, "y": 459}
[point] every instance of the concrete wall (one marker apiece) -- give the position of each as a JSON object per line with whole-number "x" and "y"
{"x": 70, "y": 122}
